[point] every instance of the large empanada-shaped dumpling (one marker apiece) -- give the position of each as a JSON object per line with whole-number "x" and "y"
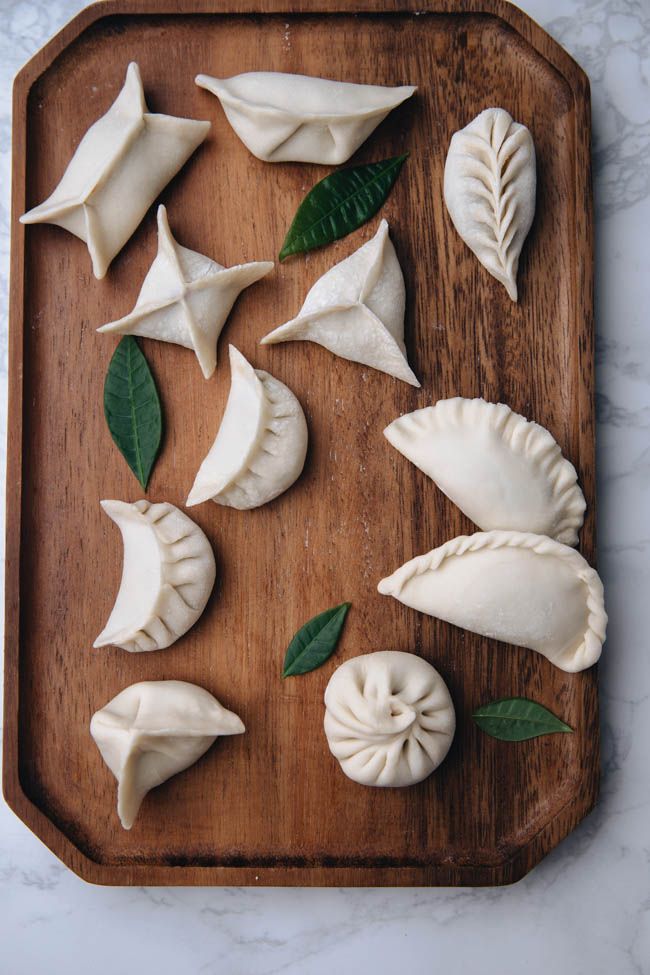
{"x": 186, "y": 298}
{"x": 513, "y": 586}
{"x": 152, "y": 730}
{"x": 356, "y": 310}
{"x": 293, "y": 118}
{"x": 120, "y": 166}
{"x": 167, "y": 576}
{"x": 389, "y": 719}
{"x": 489, "y": 187}
{"x": 500, "y": 469}
{"x": 261, "y": 445}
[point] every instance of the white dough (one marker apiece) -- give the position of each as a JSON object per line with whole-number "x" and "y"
{"x": 513, "y": 586}
{"x": 294, "y": 118}
{"x": 120, "y": 166}
{"x": 500, "y": 469}
{"x": 356, "y": 310}
{"x": 261, "y": 444}
{"x": 186, "y": 298}
{"x": 152, "y": 730}
{"x": 389, "y": 719}
{"x": 167, "y": 576}
{"x": 489, "y": 188}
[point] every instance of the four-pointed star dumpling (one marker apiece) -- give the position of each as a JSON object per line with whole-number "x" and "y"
{"x": 119, "y": 168}
{"x": 521, "y": 588}
{"x": 186, "y": 298}
{"x": 260, "y": 446}
{"x": 389, "y": 718}
{"x": 500, "y": 469}
{"x": 356, "y": 310}
{"x": 154, "y": 729}
{"x": 167, "y": 576}
{"x": 293, "y": 118}
{"x": 489, "y": 188}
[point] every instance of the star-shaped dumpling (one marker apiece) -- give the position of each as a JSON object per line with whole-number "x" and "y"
{"x": 186, "y": 298}
{"x": 356, "y": 310}
{"x": 120, "y": 166}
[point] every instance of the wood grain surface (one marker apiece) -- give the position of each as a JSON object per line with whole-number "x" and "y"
{"x": 272, "y": 806}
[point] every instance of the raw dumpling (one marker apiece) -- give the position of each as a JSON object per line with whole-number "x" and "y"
{"x": 513, "y": 586}
{"x": 167, "y": 576}
{"x": 356, "y": 310}
{"x": 119, "y": 168}
{"x": 389, "y": 719}
{"x": 489, "y": 188}
{"x": 500, "y": 469}
{"x": 261, "y": 445}
{"x": 152, "y": 730}
{"x": 293, "y": 118}
{"x": 186, "y": 298}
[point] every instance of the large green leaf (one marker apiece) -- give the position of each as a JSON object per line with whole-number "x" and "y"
{"x": 339, "y": 204}
{"x": 132, "y": 408}
{"x": 315, "y": 641}
{"x": 517, "y": 719}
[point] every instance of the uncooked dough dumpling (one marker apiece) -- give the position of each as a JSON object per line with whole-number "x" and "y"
{"x": 389, "y": 718}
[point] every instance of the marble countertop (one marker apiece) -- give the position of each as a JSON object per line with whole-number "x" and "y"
{"x": 586, "y": 908}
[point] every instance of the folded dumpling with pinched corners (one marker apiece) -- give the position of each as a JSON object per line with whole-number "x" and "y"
{"x": 500, "y": 469}
{"x": 261, "y": 445}
{"x": 389, "y": 718}
{"x": 167, "y": 576}
{"x": 521, "y": 588}
{"x": 293, "y": 118}
{"x": 153, "y": 730}
{"x": 356, "y": 310}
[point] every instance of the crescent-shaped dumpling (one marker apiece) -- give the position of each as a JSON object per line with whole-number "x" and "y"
{"x": 389, "y": 718}
{"x": 167, "y": 576}
{"x": 294, "y": 118}
{"x": 154, "y": 729}
{"x": 500, "y": 469}
{"x": 261, "y": 445}
{"x": 517, "y": 587}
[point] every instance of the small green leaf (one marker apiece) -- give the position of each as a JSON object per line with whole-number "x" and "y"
{"x": 340, "y": 203}
{"x": 518, "y": 719}
{"x": 315, "y": 642}
{"x": 132, "y": 408}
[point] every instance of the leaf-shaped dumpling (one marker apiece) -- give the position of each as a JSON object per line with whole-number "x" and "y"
{"x": 500, "y": 469}
{"x": 356, "y": 310}
{"x": 513, "y": 586}
{"x": 294, "y": 118}
{"x": 154, "y": 729}
{"x": 489, "y": 189}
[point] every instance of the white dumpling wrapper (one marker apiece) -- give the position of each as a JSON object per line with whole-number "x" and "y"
{"x": 356, "y": 310}
{"x": 167, "y": 576}
{"x": 389, "y": 718}
{"x": 154, "y": 729}
{"x": 120, "y": 166}
{"x": 293, "y": 118}
{"x": 261, "y": 444}
{"x": 186, "y": 298}
{"x": 489, "y": 188}
{"x": 502, "y": 470}
{"x": 524, "y": 589}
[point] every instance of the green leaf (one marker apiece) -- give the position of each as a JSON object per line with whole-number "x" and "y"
{"x": 340, "y": 203}
{"x": 132, "y": 408}
{"x": 518, "y": 719}
{"x": 315, "y": 642}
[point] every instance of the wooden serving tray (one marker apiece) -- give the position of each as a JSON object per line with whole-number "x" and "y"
{"x": 272, "y": 806}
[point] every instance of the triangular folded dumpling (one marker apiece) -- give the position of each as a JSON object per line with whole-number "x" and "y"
{"x": 120, "y": 166}
{"x": 356, "y": 310}
{"x": 294, "y": 118}
{"x": 186, "y": 298}
{"x": 154, "y": 729}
